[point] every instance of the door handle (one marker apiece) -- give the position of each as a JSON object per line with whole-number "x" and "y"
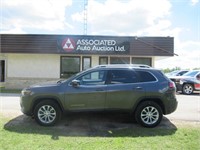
{"x": 137, "y": 88}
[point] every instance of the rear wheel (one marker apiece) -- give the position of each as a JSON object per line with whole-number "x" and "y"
{"x": 47, "y": 113}
{"x": 148, "y": 114}
{"x": 187, "y": 89}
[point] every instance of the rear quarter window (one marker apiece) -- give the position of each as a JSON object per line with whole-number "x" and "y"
{"x": 146, "y": 76}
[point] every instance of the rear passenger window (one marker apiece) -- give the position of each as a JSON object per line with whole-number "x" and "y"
{"x": 122, "y": 76}
{"x": 145, "y": 76}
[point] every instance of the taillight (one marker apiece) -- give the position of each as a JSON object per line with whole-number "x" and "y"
{"x": 171, "y": 85}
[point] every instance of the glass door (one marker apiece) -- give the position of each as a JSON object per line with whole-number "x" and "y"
{"x": 86, "y": 63}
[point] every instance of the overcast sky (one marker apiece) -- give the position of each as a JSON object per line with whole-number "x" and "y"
{"x": 175, "y": 18}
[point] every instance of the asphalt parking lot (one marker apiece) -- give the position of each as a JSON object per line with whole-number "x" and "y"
{"x": 188, "y": 107}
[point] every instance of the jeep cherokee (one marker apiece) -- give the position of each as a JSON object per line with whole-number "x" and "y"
{"x": 144, "y": 92}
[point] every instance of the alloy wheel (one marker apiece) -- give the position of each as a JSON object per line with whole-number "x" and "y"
{"x": 149, "y": 115}
{"x": 187, "y": 89}
{"x": 46, "y": 114}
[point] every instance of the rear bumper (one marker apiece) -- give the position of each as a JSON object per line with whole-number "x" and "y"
{"x": 171, "y": 106}
{"x": 170, "y": 102}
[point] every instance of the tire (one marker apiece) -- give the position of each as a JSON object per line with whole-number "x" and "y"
{"x": 148, "y": 114}
{"x": 187, "y": 89}
{"x": 47, "y": 113}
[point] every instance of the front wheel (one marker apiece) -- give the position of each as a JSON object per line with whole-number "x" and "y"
{"x": 47, "y": 113}
{"x": 148, "y": 114}
{"x": 187, "y": 89}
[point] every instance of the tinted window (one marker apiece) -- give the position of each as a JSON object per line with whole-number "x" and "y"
{"x": 122, "y": 76}
{"x": 93, "y": 78}
{"x": 145, "y": 76}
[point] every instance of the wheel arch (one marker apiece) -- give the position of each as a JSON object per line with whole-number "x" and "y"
{"x": 191, "y": 83}
{"x": 40, "y": 99}
{"x": 155, "y": 99}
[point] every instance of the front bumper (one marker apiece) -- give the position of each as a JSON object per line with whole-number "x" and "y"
{"x": 178, "y": 86}
{"x": 25, "y": 104}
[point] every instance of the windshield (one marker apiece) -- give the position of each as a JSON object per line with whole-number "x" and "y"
{"x": 173, "y": 72}
{"x": 63, "y": 80}
{"x": 191, "y": 73}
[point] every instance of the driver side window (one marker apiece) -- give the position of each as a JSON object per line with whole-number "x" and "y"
{"x": 93, "y": 78}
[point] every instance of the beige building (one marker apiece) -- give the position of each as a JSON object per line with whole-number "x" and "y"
{"x": 29, "y": 59}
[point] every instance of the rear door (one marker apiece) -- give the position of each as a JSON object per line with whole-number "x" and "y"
{"x": 123, "y": 89}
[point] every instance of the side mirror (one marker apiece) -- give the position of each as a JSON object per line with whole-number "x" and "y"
{"x": 75, "y": 83}
{"x": 198, "y": 77}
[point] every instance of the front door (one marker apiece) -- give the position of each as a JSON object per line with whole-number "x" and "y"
{"x": 89, "y": 94}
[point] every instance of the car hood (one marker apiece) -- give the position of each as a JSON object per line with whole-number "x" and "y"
{"x": 46, "y": 84}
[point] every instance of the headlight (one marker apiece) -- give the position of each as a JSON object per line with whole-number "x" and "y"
{"x": 26, "y": 92}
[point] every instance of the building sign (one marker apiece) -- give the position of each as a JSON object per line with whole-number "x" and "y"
{"x": 68, "y": 44}
{"x": 94, "y": 45}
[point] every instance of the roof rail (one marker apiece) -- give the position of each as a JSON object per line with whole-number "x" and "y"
{"x": 123, "y": 65}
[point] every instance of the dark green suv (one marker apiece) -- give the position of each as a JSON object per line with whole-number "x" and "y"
{"x": 144, "y": 92}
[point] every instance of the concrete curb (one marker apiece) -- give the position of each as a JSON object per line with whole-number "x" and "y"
{"x": 10, "y": 94}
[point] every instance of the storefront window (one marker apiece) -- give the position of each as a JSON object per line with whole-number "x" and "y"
{"x": 69, "y": 66}
{"x": 140, "y": 60}
{"x": 119, "y": 60}
{"x": 86, "y": 64}
{"x": 103, "y": 60}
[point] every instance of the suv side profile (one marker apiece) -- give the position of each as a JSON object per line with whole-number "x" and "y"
{"x": 144, "y": 92}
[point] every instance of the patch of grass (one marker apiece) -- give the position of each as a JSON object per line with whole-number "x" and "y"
{"x": 4, "y": 90}
{"x": 30, "y": 136}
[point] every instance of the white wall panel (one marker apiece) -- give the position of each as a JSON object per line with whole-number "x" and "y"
{"x": 33, "y": 65}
